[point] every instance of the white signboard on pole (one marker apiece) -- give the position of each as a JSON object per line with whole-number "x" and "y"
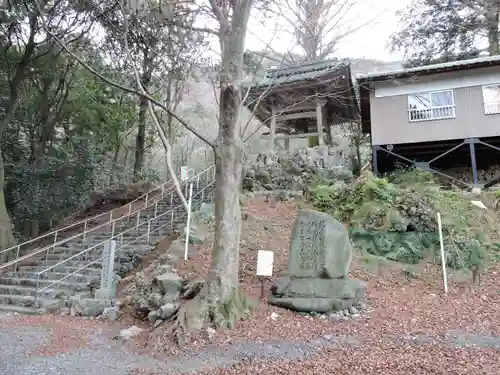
{"x": 184, "y": 173}
{"x": 265, "y": 261}
{"x": 443, "y": 258}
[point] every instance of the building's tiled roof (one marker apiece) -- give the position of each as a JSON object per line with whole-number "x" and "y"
{"x": 282, "y": 75}
{"x": 429, "y": 69}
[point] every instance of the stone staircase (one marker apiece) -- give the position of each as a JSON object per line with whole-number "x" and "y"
{"x": 47, "y": 280}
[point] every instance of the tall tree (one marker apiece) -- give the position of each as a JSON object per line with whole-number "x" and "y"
{"x": 319, "y": 25}
{"x": 164, "y": 56}
{"x": 220, "y": 301}
{"x": 23, "y": 42}
{"x": 447, "y": 30}
{"x": 61, "y": 138}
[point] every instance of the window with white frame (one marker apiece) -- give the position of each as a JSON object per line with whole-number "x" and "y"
{"x": 432, "y": 105}
{"x": 491, "y": 99}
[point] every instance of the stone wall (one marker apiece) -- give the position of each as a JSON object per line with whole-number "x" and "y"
{"x": 465, "y": 174}
{"x": 295, "y": 170}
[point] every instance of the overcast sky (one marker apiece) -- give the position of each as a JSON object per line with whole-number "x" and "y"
{"x": 370, "y": 41}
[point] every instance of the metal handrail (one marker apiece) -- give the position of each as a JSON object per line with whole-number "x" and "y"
{"x": 116, "y": 236}
{"x": 85, "y": 221}
{"x": 111, "y": 223}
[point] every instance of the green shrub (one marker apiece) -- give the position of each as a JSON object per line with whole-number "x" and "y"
{"x": 395, "y": 217}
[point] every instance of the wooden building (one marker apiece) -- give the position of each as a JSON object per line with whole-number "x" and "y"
{"x": 437, "y": 117}
{"x": 303, "y": 101}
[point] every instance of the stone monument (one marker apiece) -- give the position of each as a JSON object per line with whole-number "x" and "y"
{"x": 318, "y": 265}
{"x": 107, "y": 288}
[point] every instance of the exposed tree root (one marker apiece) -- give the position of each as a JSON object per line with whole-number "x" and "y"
{"x": 205, "y": 311}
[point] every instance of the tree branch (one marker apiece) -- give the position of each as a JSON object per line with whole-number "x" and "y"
{"x": 123, "y": 87}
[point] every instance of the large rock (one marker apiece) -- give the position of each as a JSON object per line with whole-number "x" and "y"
{"x": 111, "y": 313}
{"x": 318, "y": 295}
{"x": 320, "y": 247}
{"x": 90, "y": 306}
{"x": 169, "y": 283}
{"x": 307, "y": 304}
{"x": 205, "y": 214}
{"x": 196, "y": 235}
{"x": 167, "y": 310}
{"x": 350, "y": 289}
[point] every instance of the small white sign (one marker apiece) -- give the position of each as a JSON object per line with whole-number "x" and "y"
{"x": 265, "y": 261}
{"x": 184, "y": 173}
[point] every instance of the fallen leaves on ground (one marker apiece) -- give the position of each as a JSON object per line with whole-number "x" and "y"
{"x": 64, "y": 333}
{"x": 385, "y": 358}
{"x": 397, "y": 304}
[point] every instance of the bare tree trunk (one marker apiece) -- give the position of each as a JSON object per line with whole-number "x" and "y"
{"x": 492, "y": 19}
{"x": 223, "y": 277}
{"x": 147, "y": 69}
{"x": 140, "y": 139}
{"x": 221, "y": 302}
{"x": 6, "y": 236}
{"x": 114, "y": 165}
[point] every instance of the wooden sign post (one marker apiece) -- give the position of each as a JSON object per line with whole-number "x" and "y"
{"x": 265, "y": 261}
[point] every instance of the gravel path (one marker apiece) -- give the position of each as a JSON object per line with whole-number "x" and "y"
{"x": 102, "y": 355}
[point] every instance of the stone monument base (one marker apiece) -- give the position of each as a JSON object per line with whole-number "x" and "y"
{"x": 316, "y": 294}
{"x": 318, "y": 265}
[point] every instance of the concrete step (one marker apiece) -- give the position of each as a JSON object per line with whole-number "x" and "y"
{"x": 17, "y": 289}
{"x": 20, "y": 310}
{"x": 128, "y": 238}
{"x": 69, "y": 265}
{"x": 27, "y": 287}
{"x": 77, "y": 277}
{"x": 89, "y": 272}
{"x": 55, "y": 258}
{"x": 29, "y": 301}
{"x": 67, "y": 252}
{"x": 130, "y": 229}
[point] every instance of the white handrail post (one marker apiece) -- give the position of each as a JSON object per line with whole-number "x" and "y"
{"x": 188, "y": 224}
{"x": 47, "y": 256}
{"x": 146, "y": 203}
{"x": 162, "y": 190}
{"x": 443, "y": 260}
{"x": 137, "y": 221}
{"x": 84, "y": 233}
{"x": 172, "y": 218}
{"x": 113, "y": 230}
{"x": 149, "y": 231}
{"x": 17, "y": 257}
{"x": 130, "y": 208}
{"x": 36, "y": 290}
{"x": 156, "y": 208}
{"x": 171, "y": 198}
{"x": 198, "y": 182}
